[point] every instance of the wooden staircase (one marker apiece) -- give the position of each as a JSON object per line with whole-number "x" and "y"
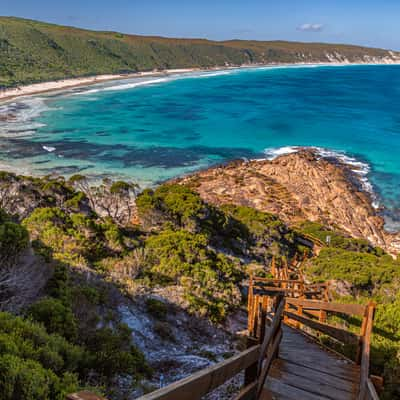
{"x": 285, "y": 359}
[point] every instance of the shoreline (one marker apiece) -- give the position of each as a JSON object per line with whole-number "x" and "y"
{"x": 10, "y": 94}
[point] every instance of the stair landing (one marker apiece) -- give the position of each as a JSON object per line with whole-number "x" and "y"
{"x": 306, "y": 371}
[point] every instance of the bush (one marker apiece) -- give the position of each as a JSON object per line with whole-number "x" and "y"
{"x": 55, "y": 316}
{"x": 156, "y": 308}
{"x": 112, "y": 353}
{"x": 28, "y": 380}
{"x": 14, "y": 239}
{"x": 175, "y": 203}
{"x": 208, "y": 277}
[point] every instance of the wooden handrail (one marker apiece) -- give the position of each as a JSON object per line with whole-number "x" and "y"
{"x": 366, "y": 348}
{"x": 348, "y": 309}
{"x": 272, "y": 329}
{"x": 339, "y": 334}
{"x": 270, "y": 280}
{"x": 264, "y": 342}
{"x": 195, "y": 386}
{"x": 84, "y": 395}
{"x": 371, "y": 393}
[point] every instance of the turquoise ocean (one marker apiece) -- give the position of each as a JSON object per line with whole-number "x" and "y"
{"x": 152, "y": 129}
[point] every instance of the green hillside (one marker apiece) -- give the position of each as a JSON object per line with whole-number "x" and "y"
{"x": 32, "y": 51}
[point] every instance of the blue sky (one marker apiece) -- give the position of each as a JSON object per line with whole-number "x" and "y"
{"x": 367, "y": 22}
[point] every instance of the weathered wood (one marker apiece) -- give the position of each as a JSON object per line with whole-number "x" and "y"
{"x": 268, "y": 361}
{"x": 337, "y": 333}
{"x": 302, "y": 351}
{"x": 249, "y": 392}
{"x": 202, "y": 382}
{"x": 311, "y": 385}
{"x": 348, "y": 309}
{"x": 371, "y": 393}
{"x": 366, "y": 348}
{"x": 271, "y": 332}
{"x": 250, "y": 373}
{"x": 250, "y": 303}
{"x": 283, "y": 391}
{"x": 257, "y": 280}
{"x": 378, "y": 382}
{"x": 280, "y": 367}
{"x": 84, "y": 395}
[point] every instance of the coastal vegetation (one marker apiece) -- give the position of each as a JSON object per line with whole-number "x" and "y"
{"x": 32, "y": 51}
{"x": 69, "y": 333}
{"x": 365, "y": 274}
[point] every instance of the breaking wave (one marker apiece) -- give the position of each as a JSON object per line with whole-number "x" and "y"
{"x": 360, "y": 168}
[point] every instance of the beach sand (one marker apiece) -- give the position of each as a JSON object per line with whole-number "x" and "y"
{"x": 43, "y": 87}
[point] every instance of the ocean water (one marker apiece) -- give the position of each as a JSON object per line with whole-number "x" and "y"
{"x": 152, "y": 129}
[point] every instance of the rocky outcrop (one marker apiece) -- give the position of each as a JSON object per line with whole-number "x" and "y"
{"x": 298, "y": 186}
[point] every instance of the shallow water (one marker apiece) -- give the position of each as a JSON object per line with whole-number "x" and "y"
{"x": 152, "y": 129}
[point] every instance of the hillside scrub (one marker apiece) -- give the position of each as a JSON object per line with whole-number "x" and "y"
{"x": 179, "y": 245}
{"x": 33, "y": 51}
{"x": 374, "y": 276}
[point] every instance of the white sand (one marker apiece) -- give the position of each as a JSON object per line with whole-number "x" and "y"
{"x": 37, "y": 88}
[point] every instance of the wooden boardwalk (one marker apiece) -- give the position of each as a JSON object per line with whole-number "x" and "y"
{"x": 282, "y": 362}
{"x": 306, "y": 371}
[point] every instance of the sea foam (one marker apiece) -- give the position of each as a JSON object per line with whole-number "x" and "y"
{"x": 360, "y": 168}
{"x": 19, "y": 116}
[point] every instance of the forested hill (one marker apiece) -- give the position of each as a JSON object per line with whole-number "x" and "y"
{"x": 32, "y": 51}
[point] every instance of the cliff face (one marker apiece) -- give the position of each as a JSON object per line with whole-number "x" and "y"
{"x": 299, "y": 186}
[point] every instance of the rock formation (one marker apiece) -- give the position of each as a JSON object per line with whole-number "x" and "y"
{"x": 297, "y": 187}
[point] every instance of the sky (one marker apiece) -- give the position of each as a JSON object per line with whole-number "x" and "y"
{"x": 365, "y": 22}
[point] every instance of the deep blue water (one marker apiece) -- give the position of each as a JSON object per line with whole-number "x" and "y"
{"x": 150, "y": 132}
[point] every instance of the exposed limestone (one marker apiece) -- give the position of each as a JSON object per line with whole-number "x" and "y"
{"x": 299, "y": 186}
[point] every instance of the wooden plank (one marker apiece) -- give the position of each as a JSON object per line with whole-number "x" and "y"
{"x": 268, "y": 280}
{"x": 281, "y": 366}
{"x": 311, "y": 385}
{"x": 349, "y": 309}
{"x": 267, "y": 365}
{"x": 271, "y": 331}
{"x": 250, "y": 373}
{"x": 202, "y": 382}
{"x": 366, "y": 348}
{"x": 249, "y": 392}
{"x": 283, "y": 391}
{"x": 324, "y": 366}
{"x": 337, "y": 333}
{"x": 371, "y": 392}
{"x": 84, "y": 395}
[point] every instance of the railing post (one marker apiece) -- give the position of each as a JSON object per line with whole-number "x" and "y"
{"x": 250, "y": 373}
{"x": 366, "y": 348}
{"x": 250, "y": 301}
{"x": 362, "y": 335}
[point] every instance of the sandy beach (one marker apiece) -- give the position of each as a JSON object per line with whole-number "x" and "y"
{"x": 43, "y": 87}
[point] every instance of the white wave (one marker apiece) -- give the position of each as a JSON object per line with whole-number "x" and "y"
{"x": 361, "y": 169}
{"x": 19, "y": 116}
{"x": 274, "y": 152}
{"x": 50, "y": 149}
{"x": 125, "y": 86}
{"x": 147, "y": 82}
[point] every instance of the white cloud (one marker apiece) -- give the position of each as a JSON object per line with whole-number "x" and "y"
{"x": 310, "y": 27}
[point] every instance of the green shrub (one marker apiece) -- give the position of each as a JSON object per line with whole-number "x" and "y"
{"x": 208, "y": 277}
{"x": 156, "y": 308}
{"x": 27, "y": 380}
{"x": 55, "y": 316}
{"x": 14, "y": 238}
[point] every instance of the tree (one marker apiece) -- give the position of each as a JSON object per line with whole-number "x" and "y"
{"x": 114, "y": 199}
{"x": 21, "y": 276}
